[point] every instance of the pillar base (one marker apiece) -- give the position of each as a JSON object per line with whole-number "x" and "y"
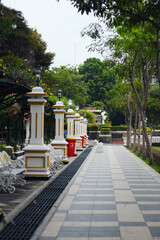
{"x": 79, "y": 144}
{"x": 36, "y": 161}
{"x": 61, "y": 145}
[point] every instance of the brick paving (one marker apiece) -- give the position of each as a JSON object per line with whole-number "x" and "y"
{"x": 114, "y": 196}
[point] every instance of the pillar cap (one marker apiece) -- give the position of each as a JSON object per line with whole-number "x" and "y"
{"x": 37, "y": 91}
{"x": 59, "y": 104}
{"x": 77, "y": 115}
{"x": 70, "y": 111}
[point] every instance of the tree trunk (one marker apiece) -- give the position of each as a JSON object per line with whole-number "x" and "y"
{"x": 139, "y": 134}
{"x": 151, "y": 134}
{"x": 144, "y": 147}
{"x": 128, "y": 123}
{"x": 157, "y": 58}
{"x": 135, "y": 128}
{"x": 149, "y": 149}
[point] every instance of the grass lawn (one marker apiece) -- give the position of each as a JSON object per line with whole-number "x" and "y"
{"x": 154, "y": 166}
{"x": 157, "y": 148}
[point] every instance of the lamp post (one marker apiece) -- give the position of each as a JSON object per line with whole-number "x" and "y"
{"x": 36, "y": 152}
{"x": 59, "y": 142}
{"x": 38, "y": 75}
{"x": 59, "y": 94}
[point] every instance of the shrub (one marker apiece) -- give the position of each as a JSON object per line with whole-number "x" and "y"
{"x": 118, "y": 128}
{"x": 93, "y": 127}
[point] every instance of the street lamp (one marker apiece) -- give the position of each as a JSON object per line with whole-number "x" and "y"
{"x": 38, "y": 75}
{"x": 59, "y": 94}
{"x": 77, "y": 108}
{"x": 70, "y": 102}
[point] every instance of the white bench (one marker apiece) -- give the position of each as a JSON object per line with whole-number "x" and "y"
{"x": 10, "y": 176}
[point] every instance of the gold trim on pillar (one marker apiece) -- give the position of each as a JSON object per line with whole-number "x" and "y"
{"x": 58, "y": 127}
{"x": 41, "y": 125}
{"x": 36, "y": 125}
{"x": 70, "y": 128}
{"x": 62, "y": 127}
{"x": 36, "y": 103}
{"x": 48, "y": 161}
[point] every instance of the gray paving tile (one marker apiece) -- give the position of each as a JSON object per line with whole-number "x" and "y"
{"x": 141, "y": 182}
{"x": 86, "y": 191}
{"x": 94, "y": 198}
{"x": 73, "y": 234}
{"x": 155, "y": 231}
{"x": 151, "y": 207}
{"x": 144, "y": 186}
{"x": 104, "y": 217}
{"x": 81, "y": 207}
{"x": 104, "y": 207}
{"x": 105, "y": 234}
{"x": 125, "y": 202}
{"x": 78, "y": 217}
{"x": 146, "y": 192}
{"x": 74, "y": 229}
{"x": 147, "y": 199}
{"x": 151, "y": 217}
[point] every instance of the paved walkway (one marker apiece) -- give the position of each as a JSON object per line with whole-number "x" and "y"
{"x": 113, "y": 196}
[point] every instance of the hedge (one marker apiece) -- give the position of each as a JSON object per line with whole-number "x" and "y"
{"x": 100, "y": 127}
{"x": 118, "y": 128}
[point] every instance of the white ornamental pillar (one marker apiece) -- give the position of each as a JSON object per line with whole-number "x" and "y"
{"x": 59, "y": 142}
{"x": 70, "y": 133}
{"x": 36, "y": 153}
{"x": 77, "y": 133}
{"x": 82, "y": 130}
{"x": 27, "y": 122}
{"x": 85, "y": 131}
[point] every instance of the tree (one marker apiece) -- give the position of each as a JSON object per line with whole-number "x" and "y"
{"x": 127, "y": 12}
{"x": 137, "y": 51}
{"x": 98, "y": 79}
{"x": 20, "y": 40}
{"x": 130, "y": 11}
{"x": 69, "y": 80}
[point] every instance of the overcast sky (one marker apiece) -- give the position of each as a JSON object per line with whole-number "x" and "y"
{"x": 60, "y": 25}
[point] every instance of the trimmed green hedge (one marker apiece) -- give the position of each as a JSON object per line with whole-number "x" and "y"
{"x": 93, "y": 127}
{"x": 103, "y": 127}
{"x": 118, "y": 128}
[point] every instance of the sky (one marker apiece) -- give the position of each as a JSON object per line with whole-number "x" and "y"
{"x": 60, "y": 25}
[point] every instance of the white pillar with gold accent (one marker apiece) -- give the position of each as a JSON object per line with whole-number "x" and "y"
{"x": 77, "y": 133}
{"x": 70, "y": 133}
{"x": 85, "y": 130}
{"x": 36, "y": 153}
{"x": 82, "y": 131}
{"x": 59, "y": 142}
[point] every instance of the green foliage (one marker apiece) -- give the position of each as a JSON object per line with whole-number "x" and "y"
{"x": 89, "y": 115}
{"x": 108, "y": 123}
{"x": 93, "y": 127}
{"x": 17, "y": 39}
{"x": 69, "y": 81}
{"x": 153, "y": 107}
{"x": 98, "y": 79}
{"x": 105, "y": 130}
{"x": 114, "y": 13}
{"x": 118, "y": 128}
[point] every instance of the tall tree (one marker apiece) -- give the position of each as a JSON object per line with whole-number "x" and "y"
{"x": 20, "y": 40}
{"x": 98, "y": 79}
